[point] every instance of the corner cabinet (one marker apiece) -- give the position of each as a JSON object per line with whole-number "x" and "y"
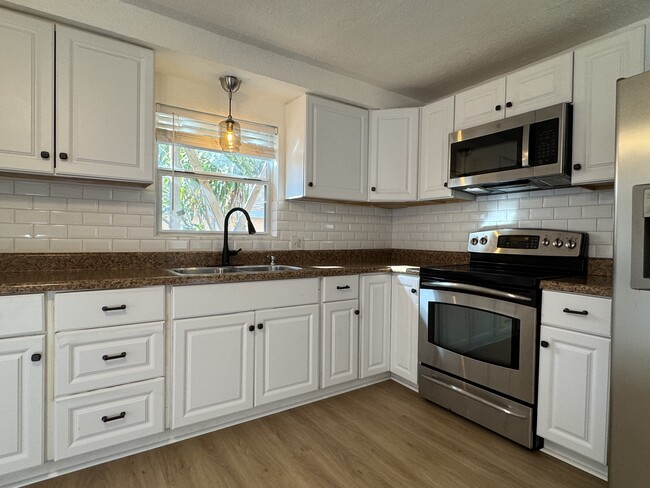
{"x": 597, "y": 67}
{"x": 574, "y": 361}
{"x": 393, "y": 155}
{"x": 404, "y": 327}
{"x": 327, "y": 150}
{"x": 103, "y": 96}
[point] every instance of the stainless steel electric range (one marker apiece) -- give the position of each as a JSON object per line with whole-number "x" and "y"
{"x": 479, "y": 326}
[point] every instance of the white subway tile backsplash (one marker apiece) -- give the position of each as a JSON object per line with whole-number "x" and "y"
{"x": 72, "y": 217}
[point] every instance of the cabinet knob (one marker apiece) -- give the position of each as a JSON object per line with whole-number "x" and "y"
{"x": 36, "y": 357}
{"x": 356, "y": 312}
{"x": 577, "y": 166}
{"x": 543, "y": 344}
{"x": 374, "y": 188}
{"x": 509, "y": 104}
{"x": 413, "y": 290}
{"x": 63, "y": 156}
{"x": 251, "y": 328}
{"x": 310, "y": 184}
{"x": 445, "y": 184}
{"x": 260, "y": 326}
{"x": 497, "y": 108}
{"x": 45, "y": 155}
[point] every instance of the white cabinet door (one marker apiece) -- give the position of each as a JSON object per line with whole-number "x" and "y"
{"x": 327, "y": 150}
{"x": 374, "y": 350}
{"x": 26, "y": 93}
{"x": 286, "y": 353}
{"x": 104, "y": 97}
{"x": 340, "y": 342}
{"x": 540, "y": 85}
{"x": 597, "y": 67}
{"x": 21, "y": 408}
{"x": 404, "y": 326}
{"x": 574, "y": 391}
{"x": 212, "y": 364}
{"x": 480, "y": 104}
{"x": 393, "y": 155}
{"x": 436, "y": 123}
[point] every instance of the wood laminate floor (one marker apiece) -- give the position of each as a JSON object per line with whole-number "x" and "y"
{"x": 384, "y": 435}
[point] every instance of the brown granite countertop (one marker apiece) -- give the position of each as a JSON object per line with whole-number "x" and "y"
{"x": 91, "y": 271}
{"x": 599, "y": 280}
{"x": 586, "y": 285}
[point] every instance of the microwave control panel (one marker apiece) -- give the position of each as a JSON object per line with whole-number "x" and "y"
{"x": 541, "y": 242}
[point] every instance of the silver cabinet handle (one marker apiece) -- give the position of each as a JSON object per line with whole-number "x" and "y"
{"x": 476, "y": 289}
{"x": 475, "y": 397}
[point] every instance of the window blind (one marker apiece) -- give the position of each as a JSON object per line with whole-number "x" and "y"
{"x": 201, "y": 130}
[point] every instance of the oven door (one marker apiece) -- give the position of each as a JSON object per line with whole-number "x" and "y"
{"x": 486, "y": 340}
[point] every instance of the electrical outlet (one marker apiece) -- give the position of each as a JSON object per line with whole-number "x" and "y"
{"x": 297, "y": 243}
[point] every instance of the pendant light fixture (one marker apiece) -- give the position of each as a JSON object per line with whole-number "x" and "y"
{"x": 229, "y": 130}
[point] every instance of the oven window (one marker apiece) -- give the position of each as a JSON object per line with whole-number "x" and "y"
{"x": 487, "y": 154}
{"x": 475, "y": 333}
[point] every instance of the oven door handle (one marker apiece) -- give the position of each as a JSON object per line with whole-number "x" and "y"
{"x": 474, "y": 397}
{"x": 477, "y": 289}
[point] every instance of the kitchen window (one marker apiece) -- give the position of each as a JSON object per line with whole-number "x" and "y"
{"x": 198, "y": 182}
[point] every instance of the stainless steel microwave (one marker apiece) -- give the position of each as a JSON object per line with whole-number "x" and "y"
{"x": 525, "y": 152}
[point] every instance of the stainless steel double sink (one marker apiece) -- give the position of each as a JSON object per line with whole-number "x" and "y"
{"x": 217, "y": 270}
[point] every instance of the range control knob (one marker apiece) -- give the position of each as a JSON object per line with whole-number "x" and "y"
{"x": 558, "y": 243}
{"x": 484, "y": 240}
{"x": 570, "y": 244}
{"x": 474, "y": 241}
{"x": 545, "y": 241}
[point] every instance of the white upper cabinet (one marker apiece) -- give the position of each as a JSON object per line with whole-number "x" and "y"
{"x": 103, "y": 95}
{"x": 327, "y": 150}
{"x": 26, "y": 93}
{"x": 536, "y": 86}
{"x": 437, "y": 121}
{"x": 540, "y": 85}
{"x": 104, "y": 107}
{"x": 597, "y": 67}
{"x": 480, "y": 104}
{"x": 393, "y": 154}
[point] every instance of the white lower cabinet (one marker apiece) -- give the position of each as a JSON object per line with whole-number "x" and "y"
{"x": 573, "y": 400}
{"x": 286, "y": 353}
{"x": 107, "y": 417}
{"x": 404, "y": 327}
{"x": 374, "y": 327}
{"x": 212, "y": 367}
{"x": 226, "y": 363}
{"x": 340, "y": 340}
{"x": 21, "y": 407}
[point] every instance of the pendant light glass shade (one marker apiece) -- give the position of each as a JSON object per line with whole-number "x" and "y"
{"x": 229, "y": 130}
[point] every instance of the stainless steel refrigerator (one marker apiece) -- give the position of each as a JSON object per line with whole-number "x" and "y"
{"x": 629, "y": 447}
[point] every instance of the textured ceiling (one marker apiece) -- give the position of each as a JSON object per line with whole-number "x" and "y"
{"x": 418, "y": 48}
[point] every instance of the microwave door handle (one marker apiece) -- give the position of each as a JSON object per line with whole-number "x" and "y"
{"x": 525, "y": 144}
{"x": 476, "y": 289}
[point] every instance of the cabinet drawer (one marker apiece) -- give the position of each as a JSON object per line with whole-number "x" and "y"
{"x": 89, "y": 309}
{"x": 583, "y": 313}
{"x": 104, "y": 418}
{"x": 21, "y": 314}
{"x": 340, "y": 288}
{"x": 99, "y": 358}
